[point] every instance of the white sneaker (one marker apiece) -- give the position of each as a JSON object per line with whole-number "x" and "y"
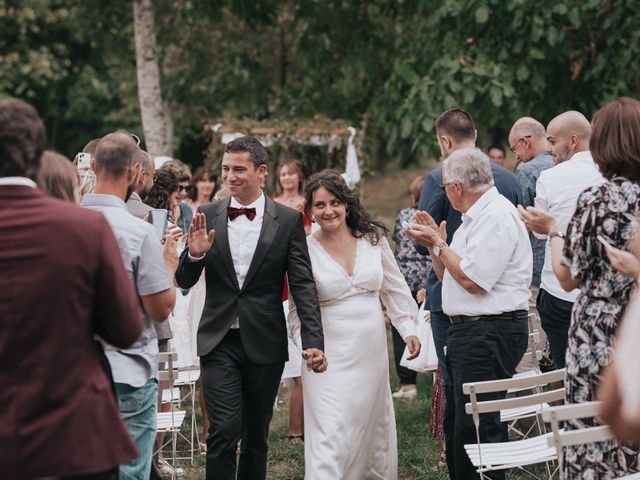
{"x": 408, "y": 393}
{"x": 166, "y": 470}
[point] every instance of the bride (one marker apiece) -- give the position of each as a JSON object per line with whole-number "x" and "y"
{"x": 349, "y": 429}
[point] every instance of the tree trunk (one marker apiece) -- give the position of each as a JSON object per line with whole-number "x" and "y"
{"x": 156, "y": 122}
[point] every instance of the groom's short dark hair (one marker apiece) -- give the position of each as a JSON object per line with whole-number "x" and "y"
{"x": 250, "y": 145}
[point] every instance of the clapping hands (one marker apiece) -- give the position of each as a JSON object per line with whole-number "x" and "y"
{"x": 537, "y": 221}
{"x": 425, "y": 231}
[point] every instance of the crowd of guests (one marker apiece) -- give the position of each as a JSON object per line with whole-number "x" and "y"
{"x": 558, "y": 257}
{"x": 488, "y": 250}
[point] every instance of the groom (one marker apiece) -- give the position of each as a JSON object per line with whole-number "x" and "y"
{"x": 242, "y": 337}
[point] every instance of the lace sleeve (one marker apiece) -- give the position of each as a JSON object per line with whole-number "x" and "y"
{"x": 395, "y": 294}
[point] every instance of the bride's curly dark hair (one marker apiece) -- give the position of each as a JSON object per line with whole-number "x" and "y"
{"x": 360, "y": 222}
{"x": 164, "y": 184}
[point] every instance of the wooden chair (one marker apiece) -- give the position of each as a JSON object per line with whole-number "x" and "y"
{"x": 519, "y": 453}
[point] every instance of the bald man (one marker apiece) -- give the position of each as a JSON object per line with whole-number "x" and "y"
{"x": 528, "y": 142}
{"x": 557, "y": 192}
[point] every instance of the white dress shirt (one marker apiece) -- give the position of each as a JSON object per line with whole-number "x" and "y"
{"x": 243, "y": 239}
{"x": 557, "y": 192}
{"x": 496, "y": 255}
{"x": 243, "y": 235}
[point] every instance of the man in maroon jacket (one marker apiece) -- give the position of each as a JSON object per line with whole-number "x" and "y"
{"x": 62, "y": 281}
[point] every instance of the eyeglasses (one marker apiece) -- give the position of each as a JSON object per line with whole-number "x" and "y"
{"x": 136, "y": 138}
{"x": 512, "y": 147}
{"x": 444, "y": 186}
{"x": 183, "y": 188}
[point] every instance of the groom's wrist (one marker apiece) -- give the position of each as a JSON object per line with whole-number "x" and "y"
{"x": 193, "y": 258}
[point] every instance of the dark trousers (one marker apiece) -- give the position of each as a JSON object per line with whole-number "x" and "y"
{"x": 406, "y": 375}
{"x": 239, "y": 396}
{"x": 555, "y": 318}
{"x": 440, "y": 323}
{"x": 480, "y": 350}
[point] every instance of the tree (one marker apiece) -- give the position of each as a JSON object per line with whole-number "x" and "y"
{"x": 156, "y": 117}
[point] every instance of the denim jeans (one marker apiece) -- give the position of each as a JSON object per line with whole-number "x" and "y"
{"x": 138, "y": 409}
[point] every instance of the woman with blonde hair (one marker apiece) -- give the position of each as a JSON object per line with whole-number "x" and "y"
{"x": 57, "y": 177}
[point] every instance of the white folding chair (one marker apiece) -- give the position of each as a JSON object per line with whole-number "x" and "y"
{"x": 518, "y": 453}
{"x": 171, "y": 421}
{"x": 563, "y": 438}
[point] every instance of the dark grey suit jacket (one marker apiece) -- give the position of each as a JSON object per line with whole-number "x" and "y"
{"x": 282, "y": 248}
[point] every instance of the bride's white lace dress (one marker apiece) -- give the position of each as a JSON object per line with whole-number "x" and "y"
{"x": 349, "y": 421}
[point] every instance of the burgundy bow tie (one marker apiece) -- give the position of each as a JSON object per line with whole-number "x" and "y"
{"x": 236, "y": 212}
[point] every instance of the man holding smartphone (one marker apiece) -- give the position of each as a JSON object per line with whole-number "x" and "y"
{"x": 135, "y": 369}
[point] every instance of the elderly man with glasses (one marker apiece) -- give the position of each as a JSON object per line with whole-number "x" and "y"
{"x": 527, "y": 140}
{"x": 485, "y": 273}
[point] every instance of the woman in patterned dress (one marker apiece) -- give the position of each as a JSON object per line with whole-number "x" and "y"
{"x": 606, "y": 213}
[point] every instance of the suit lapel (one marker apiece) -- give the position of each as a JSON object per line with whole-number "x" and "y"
{"x": 267, "y": 236}
{"x": 221, "y": 241}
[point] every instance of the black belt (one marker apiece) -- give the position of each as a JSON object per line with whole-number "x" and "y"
{"x": 514, "y": 315}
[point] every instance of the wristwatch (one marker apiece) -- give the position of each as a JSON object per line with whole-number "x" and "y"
{"x": 556, "y": 234}
{"x": 437, "y": 249}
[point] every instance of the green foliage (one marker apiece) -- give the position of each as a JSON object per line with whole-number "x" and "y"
{"x": 504, "y": 59}
{"x": 398, "y": 64}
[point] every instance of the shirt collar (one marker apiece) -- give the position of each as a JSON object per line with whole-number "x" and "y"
{"x": 258, "y": 204}
{"x": 134, "y": 196}
{"x": 581, "y": 156}
{"x": 480, "y": 204}
{"x": 541, "y": 155}
{"x": 20, "y": 181}
{"x": 102, "y": 200}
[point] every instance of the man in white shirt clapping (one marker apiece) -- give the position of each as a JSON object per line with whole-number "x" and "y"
{"x": 485, "y": 272}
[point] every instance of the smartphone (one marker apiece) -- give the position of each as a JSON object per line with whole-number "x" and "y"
{"x": 158, "y": 217}
{"x": 603, "y": 241}
{"x": 405, "y": 224}
{"x": 83, "y": 161}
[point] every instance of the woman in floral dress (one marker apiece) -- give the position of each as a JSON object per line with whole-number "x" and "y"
{"x": 604, "y": 213}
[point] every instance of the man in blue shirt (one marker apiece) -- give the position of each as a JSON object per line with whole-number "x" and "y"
{"x": 455, "y": 129}
{"x": 527, "y": 140}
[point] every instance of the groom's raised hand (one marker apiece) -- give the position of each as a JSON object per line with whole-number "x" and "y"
{"x": 316, "y": 360}
{"x": 199, "y": 240}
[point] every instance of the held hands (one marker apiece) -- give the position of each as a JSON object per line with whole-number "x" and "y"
{"x": 199, "y": 240}
{"x": 413, "y": 344}
{"x": 537, "y": 221}
{"x": 316, "y": 360}
{"x": 425, "y": 231}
